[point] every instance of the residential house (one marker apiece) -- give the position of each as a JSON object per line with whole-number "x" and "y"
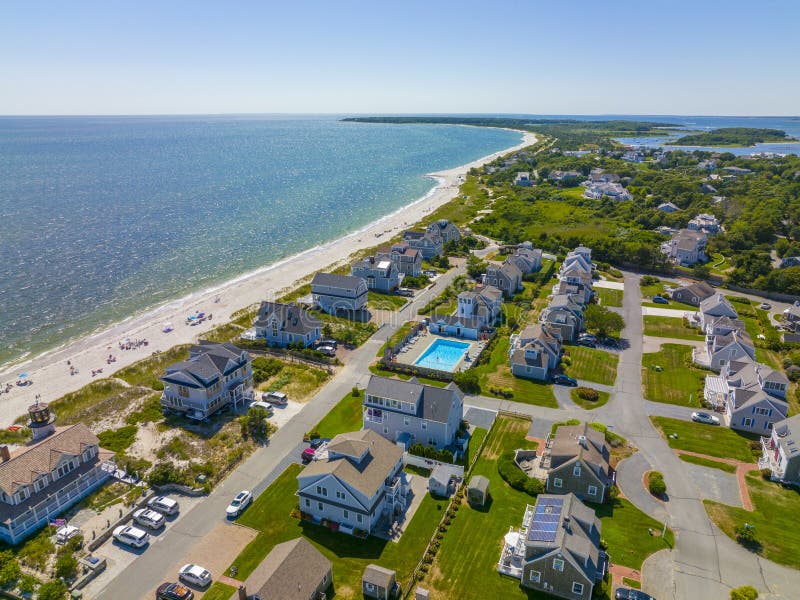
{"x": 664, "y": 230}
{"x": 563, "y": 176}
{"x": 722, "y": 349}
{"x": 576, "y": 458}
{"x": 575, "y": 281}
{"x": 506, "y": 277}
{"x": 557, "y": 550}
{"x": 564, "y": 315}
{"x": 667, "y": 207}
{"x": 284, "y": 324}
{"x": 707, "y": 165}
{"x": 213, "y": 377}
{"x": 527, "y": 258}
{"x": 692, "y": 294}
{"x": 634, "y": 156}
{"x": 355, "y": 482}
{"x": 707, "y": 188}
{"x": 792, "y": 317}
{"x": 600, "y": 176}
{"x": 469, "y": 328}
{"x": 756, "y": 396}
{"x": 428, "y": 244}
{"x": 686, "y": 247}
{"x": 534, "y": 352}
{"x": 333, "y": 293}
{"x": 523, "y": 178}
{"x": 477, "y": 311}
{"x": 615, "y": 191}
{"x": 412, "y": 412}
{"x": 40, "y": 480}
{"x": 736, "y": 170}
{"x": 379, "y": 582}
{"x": 790, "y": 261}
{"x": 405, "y": 259}
{"x": 446, "y": 230}
{"x": 380, "y": 274}
{"x": 293, "y": 570}
{"x": 580, "y": 258}
{"x": 780, "y": 451}
{"x": 444, "y": 479}
{"x": 713, "y": 307}
{"x": 704, "y": 222}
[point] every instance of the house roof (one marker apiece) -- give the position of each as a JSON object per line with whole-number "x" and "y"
{"x": 291, "y": 318}
{"x": 379, "y": 576}
{"x": 520, "y": 357}
{"x": 35, "y": 459}
{"x": 717, "y": 305}
{"x": 291, "y": 571}
{"x": 479, "y": 482}
{"x": 467, "y": 322}
{"x": 345, "y": 282}
{"x": 208, "y": 362}
{"x": 368, "y": 474}
{"x": 700, "y": 289}
{"x": 568, "y": 446}
{"x": 788, "y": 434}
{"x": 433, "y": 403}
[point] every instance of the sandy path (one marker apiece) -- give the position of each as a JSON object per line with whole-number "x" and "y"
{"x": 50, "y": 372}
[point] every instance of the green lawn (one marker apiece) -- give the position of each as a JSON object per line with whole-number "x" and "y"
{"x": 707, "y": 462}
{"x": 475, "y": 440}
{"x": 626, "y": 530}
{"x": 219, "y": 591}
{"x": 223, "y": 333}
{"x": 670, "y": 327}
{"x": 678, "y": 382}
{"x": 656, "y": 289}
{"x": 269, "y": 515}
{"x": 585, "y": 404}
{"x": 609, "y": 297}
{"x": 774, "y": 516}
{"x": 378, "y": 369}
{"x": 380, "y": 301}
{"x": 712, "y": 440}
{"x": 592, "y": 364}
{"x": 496, "y": 374}
{"x": 146, "y": 372}
{"x": 345, "y": 330}
{"x": 345, "y": 416}
{"x": 297, "y": 380}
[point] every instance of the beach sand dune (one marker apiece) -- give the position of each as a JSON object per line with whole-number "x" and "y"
{"x": 51, "y": 373}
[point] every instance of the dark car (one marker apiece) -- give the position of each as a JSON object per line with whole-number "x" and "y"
{"x": 660, "y": 300}
{"x": 174, "y": 591}
{"x": 317, "y": 442}
{"x": 610, "y": 342}
{"x": 565, "y": 380}
{"x": 629, "y": 594}
{"x": 308, "y": 455}
{"x": 588, "y": 342}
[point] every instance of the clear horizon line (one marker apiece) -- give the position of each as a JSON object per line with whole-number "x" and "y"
{"x": 393, "y": 114}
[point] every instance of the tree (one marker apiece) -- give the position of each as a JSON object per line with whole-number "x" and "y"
{"x": 746, "y": 592}
{"x": 656, "y": 484}
{"x": 701, "y": 271}
{"x": 475, "y": 266}
{"x": 66, "y": 566}
{"x": 468, "y": 381}
{"x": 603, "y": 320}
{"x": 52, "y": 590}
{"x": 255, "y": 423}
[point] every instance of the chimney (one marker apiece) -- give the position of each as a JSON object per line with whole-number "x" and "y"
{"x": 566, "y": 524}
{"x": 5, "y": 454}
{"x": 242, "y": 592}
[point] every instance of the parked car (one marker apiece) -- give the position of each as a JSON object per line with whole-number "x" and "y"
{"x": 631, "y": 594}
{"x": 561, "y": 379}
{"x": 239, "y": 503}
{"x": 588, "y": 342}
{"x": 308, "y": 455}
{"x": 195, "y": 574}
{"x": 660, "y": 300}
{"x": 174, "y": 591}
{"x": 610, "y": 342}
{"x": 265, "y": 405}
{"x": 702, "y": 417}
{"x": 328, "y": 342}
{"x": 131, "y": 536}
{"x": 317, "y": 442}
{"x": 275, "y": 397}
{"x": 164, "y": 504}
{"x": 149, "y": 518}
{"x": 327, "y": 350}
{"x": 405, "y": 292}
{"x": 765, "y": 306}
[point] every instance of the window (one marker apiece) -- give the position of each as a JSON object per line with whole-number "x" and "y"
{"x": 748, "y": 422}
{"x": 319, "y": 505}
{"x": 405, "y": 421}
{"x": 535, "y": 576}
{"x": 183, "y": 391}
{"x": 577, "y": 588}
{"x": 341, "y": 495}
{"x": 346, "y": 514}
{"x": 557, "y": 482}
{"x": 321, "y": 491}
{"x": 325, "y": 578}
{"x": 558, "y": 564}
{"x": 385, "y": 430}
{"x": 424, "y": 424}
{"x": 592, "y": 490}
{"x": 370, "y": 587}
{"x": 762, "y": 411}
{"x": 768, "y": 425}
{"x": 308, "y": 503}
{"x": 359, "y": 518}
{"x": 576, "y": 470}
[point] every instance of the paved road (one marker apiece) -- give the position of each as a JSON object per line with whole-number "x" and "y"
{"x": 258, "y": 471}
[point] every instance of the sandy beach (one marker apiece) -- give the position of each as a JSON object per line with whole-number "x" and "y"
{"x": 51, "y": 373}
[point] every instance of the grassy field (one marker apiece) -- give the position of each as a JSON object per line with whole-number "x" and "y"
{"x": 655, "y": 289}
{"x": 223, "y": 333}
{"x": 380, "y": 301}
{"x": 626, "y": 530}
{"x": 219, "y": 591}
{"x": 592, "y": 364}
{"x": 297, "y": 380}
{"x": 774, "y": 515}
{"x": 497, "y": 374}
{"x": 345, "y": 330}
{"x": 345, "y": 416}
{"x": 147, "y": 372}
{"x": 707, "y": 462}
{"x": 397, "y": 336}
{"x": 712, "y": 440}
{"x": 670, "y": 327}
{"x": 269, "y": 515}
{"x": 678, "y": 382}
{"x": 609, "y": 297}
{"x": 603, "y": 398}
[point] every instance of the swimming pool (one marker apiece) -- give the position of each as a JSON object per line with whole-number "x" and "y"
{"x": 443, "y": 355}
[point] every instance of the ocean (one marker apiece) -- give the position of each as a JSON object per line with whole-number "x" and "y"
{"x": 107, "y": 217}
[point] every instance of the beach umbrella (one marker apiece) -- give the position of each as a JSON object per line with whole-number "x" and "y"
{"x": 23, "y": 375}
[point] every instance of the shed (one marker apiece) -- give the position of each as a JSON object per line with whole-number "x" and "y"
{"x": 443, "y": 477}
{"x": 421, "y": 594}
{"x": 378, "y": 582}
{"x": 478, "y": 490}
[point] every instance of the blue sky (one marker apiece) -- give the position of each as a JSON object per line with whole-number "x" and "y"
{"x": 536, "y": 57}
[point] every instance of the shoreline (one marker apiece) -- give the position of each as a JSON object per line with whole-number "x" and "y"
{"x": 51, "y": 375}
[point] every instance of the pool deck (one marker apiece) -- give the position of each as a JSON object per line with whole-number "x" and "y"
{"x": 424, "y": 341}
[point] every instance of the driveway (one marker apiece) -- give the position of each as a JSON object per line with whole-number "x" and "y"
{"x": 655, "y": 311}
{"x": 611, "y": 285}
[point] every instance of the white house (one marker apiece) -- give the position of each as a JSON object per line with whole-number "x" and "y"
{"x": 713, "y": 307}
{"x": 535, "y": 352}
{"x": 380, "y": 273}
{"x": 333, "y": 292}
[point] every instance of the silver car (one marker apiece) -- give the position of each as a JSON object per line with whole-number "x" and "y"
{"x": 149, "y": 518}
{"x": 131, "y": 536}
{"x": 164, "y": 504}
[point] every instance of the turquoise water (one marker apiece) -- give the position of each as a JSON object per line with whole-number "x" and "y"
{"x": 442, "y": 355}
{"x": 106, "y": 217}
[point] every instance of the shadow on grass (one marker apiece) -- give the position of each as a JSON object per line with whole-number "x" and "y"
{"x": 343, "y": 545}
{"x": 487, "y": 505}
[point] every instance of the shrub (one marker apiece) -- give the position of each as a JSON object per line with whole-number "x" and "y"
{"x": 514, "y": 476}
{"x": 164, "y": 473}
{"x": 648, "y": 280}
{"x": 468, "y": 382}
{"x": 66, "y": 566}
{"x": 746, "y": 592}
{"x": 656, "y": 484}
{"x": 52, "y": 590}
{"x": 746, "y": 536}
{"x": 588, "y": 394}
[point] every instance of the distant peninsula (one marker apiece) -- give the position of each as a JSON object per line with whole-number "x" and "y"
{"x": 733, "y": 136}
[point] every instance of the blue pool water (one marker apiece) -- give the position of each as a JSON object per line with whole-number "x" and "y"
{"x": 442, "y": 355}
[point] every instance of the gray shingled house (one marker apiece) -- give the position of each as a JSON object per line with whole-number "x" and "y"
{"x": 284, "y": 324}
{"x": 333, "y": 293}
{"x": 576, "y": 458}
